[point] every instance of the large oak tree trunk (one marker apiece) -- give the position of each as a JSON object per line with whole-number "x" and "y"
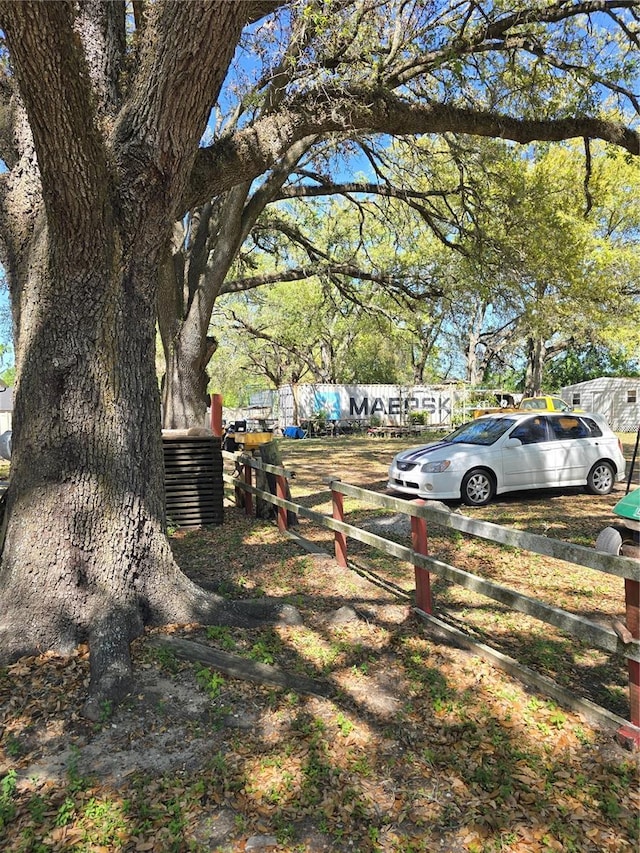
{"x": 85, "y": 225}
{"x": 86, "y": 556}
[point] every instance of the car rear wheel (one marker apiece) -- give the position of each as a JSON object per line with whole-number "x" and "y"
{"x": 601, "y": 478}
{"x": 478, "y": 487}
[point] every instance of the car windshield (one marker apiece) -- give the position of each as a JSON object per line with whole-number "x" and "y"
{"x": 480, "y": 431}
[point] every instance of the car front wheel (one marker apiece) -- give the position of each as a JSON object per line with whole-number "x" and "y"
{"x": 600, "y": 479}
{"x": 478, "y": 487}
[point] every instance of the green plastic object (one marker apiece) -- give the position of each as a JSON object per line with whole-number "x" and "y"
{"x": 629, "y": 506}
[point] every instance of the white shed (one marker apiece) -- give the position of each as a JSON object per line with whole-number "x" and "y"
{"x": 6, "y": 406}
{"x": 615, "y": 397}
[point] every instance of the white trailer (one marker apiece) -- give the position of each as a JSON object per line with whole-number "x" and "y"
{"x": 615, "y": 397}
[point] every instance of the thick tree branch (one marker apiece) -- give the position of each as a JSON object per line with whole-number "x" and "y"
{"x": 355, "y": 187}
{"x": 70, "y": 152}
{"x": 322, "y": 263}
{"x": 249, "y": 152}
{"x": 169, "y": 107}
{"x": 253, "y": 10}
{"x": 271, "y": 189}
{"x": 240, "y": 285}
{"x": 101, "y": 26}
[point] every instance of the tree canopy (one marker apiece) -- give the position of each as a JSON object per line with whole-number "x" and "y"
{"x": 317, "y": 87}
{"x": 525, "y": 254}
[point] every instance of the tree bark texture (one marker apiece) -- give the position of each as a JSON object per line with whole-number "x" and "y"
{"x": 536, "y": 353}
{"x": 86, "y": 217}
{"x": 190, "y": 283}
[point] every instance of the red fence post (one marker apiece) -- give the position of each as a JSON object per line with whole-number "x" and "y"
{"x": 216, "y": 414}
{"x": 339, "y": 538}
{"x": 248, "y": 497}
{"x": 626, "y": 735}
{"x": 420, "y": 545}
{"x": 281, "y": 492}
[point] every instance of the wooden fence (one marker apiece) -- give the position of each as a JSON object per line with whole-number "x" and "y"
{"x": 619, "y": 638}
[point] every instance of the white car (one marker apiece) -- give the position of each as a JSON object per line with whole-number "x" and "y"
{"x": 506, "y": 452}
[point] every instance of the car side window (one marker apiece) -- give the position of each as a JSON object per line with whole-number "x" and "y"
{"x": 564, "y": 428}
{"x": 592, "y": 428}
{"x": 532, "y": 432}
{"x": 572, "y": 427}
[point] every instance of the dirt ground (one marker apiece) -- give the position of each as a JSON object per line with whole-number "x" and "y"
{"x": 405, "y": 743}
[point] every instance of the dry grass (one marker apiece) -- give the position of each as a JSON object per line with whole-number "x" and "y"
{"x": 570, "y": 515}
{"x": 417, "y": 745}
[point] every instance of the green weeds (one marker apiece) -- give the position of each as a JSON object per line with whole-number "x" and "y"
{"x": 221, "y": 636}
{"x": 165, "y": 658}
{"x": 209, "y": 680}
{"x": 7, "y": 795}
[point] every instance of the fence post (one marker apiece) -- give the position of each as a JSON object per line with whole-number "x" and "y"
{"x": 248, "y": 497}
{"x": 216, "y": 415}
{"x": 340, "y": 539}
{"x": 420, "y": 545}
{"x": 281, "y": 492}
{"x": 628, "y": 736}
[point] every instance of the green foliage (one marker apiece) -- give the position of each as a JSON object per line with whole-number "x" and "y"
{"x": 580, "y": 364}
{"x": 7, "y": 794}
{"x": 166, "y": 658}
{"x": 532, "y": 265}
{"x": 344, "y": 724}
{"x": 209, "y": 680}
{"x": 66, "y": 812}
{"x": 265, "y": 650}
{"x": 75, "y": 781}
{"x": 221, "y": 635}
{"x": 8, "y": 376}
{"x": 12, "y": 745}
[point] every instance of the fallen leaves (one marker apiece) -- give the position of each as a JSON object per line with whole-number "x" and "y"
{"x": 419, "y": 747}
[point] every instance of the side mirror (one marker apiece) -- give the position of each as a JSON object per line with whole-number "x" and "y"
{"x": 512, "y": 442}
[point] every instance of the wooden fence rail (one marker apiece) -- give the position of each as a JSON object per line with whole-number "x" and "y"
{"x": 624, "y": 640}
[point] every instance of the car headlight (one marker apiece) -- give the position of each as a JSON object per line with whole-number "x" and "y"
{"x": 435, "y": 467}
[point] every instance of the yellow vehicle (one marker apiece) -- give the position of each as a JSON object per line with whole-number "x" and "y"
{"x": 504, "y": 402}
{"x": 545, "y": 404}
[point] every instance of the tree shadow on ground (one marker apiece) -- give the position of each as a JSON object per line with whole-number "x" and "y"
{"x": 420, "y": 745}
